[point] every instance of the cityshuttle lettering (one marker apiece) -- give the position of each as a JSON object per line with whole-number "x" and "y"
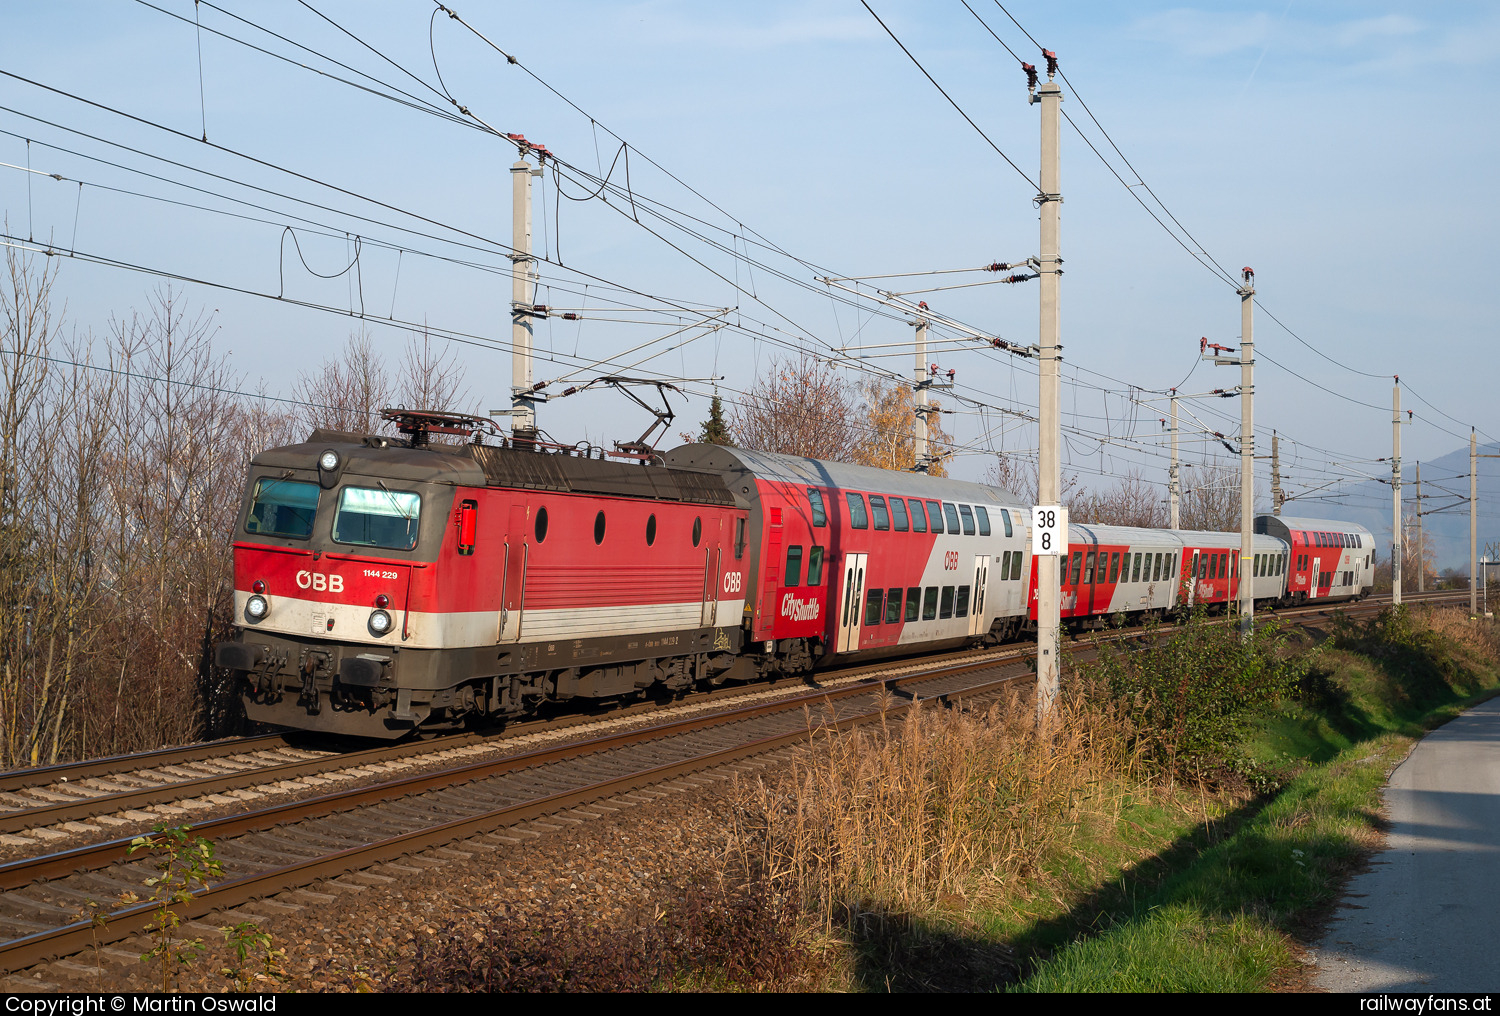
{"x": 799, "y": 610}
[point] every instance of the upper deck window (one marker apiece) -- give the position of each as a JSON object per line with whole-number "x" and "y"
{"x": 878, "y": 509}
{"x": 858, "y": 518}
{"x": 898, "y": 514}
{"x": 282, "y": 508}
{"x": 984, "y": 519}
{"x": 951, "y": 514}
{"x": 377, "y": 518}
{"x": 968, "y": 515}
{"x": 814, "y": 498}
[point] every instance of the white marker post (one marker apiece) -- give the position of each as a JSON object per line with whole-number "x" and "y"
{"x": 1049, "y": 530}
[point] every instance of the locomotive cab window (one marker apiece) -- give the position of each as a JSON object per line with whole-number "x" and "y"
{"x": 373, "y": 517}
{"x": 282, "y": 508}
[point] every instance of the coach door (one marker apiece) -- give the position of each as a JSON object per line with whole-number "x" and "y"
{"x": 853, "y": 599}
{"x": 1192, "y": 583}
{"x": 513, "y": 572}
{"x": 1317, "y": 575}
{"x": 977, "y": 624}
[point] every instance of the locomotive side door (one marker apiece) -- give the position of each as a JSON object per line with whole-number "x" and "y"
{"x": 513, "y": 575}
{"x": 978, "y": 624}
{"x": 852, "y": 602}
{"x": 713, "y": 558}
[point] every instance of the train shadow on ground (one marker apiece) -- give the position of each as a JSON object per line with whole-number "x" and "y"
{"x": 907, "y": 952}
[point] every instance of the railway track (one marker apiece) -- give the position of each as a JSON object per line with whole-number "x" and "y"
{"x": 287, "y": 846}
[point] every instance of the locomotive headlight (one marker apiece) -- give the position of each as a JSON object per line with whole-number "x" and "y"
{"x": 329, "y": 460}
{"x": 380, "y": 623}
{"x": 256, "y": 609}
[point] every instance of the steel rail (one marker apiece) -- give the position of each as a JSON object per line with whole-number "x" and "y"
{"x": 42, "y": 946}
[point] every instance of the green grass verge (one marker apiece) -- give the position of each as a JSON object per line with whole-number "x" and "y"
{"x": 1222, "y": 920}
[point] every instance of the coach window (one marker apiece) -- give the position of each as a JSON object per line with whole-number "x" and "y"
{"x": 1135, "y": 575}
{"x": 282, "y": 508}
{"x": 1213, "y": 566}
{"x": 968, "y": 514}
{"x": 893, "y": 606}
{"x": 913, "y": 602}
{"x": 1015, "y": 565}
{"x": 1224, "y": 566}
{"x": 598, "y": 529}
{"x": 697, "y": 530}
{"x": 929, "y": 603}
{"x": 1077, "y": 566}
{"x": 1114, "y": 566}
{"x": 820, "y": 517}
{"x": 739, "y": 538}
{"x": 898, "y": 514}
{"x": 877, "y": 509}
{"x": 815, "y": 566}
{"x": 951, "y": 514}
{"x": 859, "y": 518}
{"x": 874, "y": 603}
{"x": 961, "y": 604}
{"x": 946, "y": 609}
{"x": 918, "y": 517}
{"x": 935, "y": 516}
{"x": 793, "y": 573}
{"x": 1088, "y": 570}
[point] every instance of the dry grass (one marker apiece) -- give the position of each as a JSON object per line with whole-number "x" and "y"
{"x": 936, "y": 812}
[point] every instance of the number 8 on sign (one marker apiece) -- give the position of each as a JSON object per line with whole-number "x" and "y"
{"x": 1049, "y": 530}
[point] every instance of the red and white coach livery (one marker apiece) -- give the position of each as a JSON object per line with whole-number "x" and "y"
{"x": 386, "y": 584}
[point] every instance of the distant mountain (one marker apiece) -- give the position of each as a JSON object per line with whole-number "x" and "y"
{"x": 1447, "y": 532}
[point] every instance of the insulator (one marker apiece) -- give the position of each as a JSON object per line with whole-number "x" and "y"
{"x": 570, "y": 316}
{"x": 1051, "y": 62}
{"x": 1030, "y": 70}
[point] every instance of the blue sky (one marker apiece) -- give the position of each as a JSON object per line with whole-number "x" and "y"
{"x": 1343, "y": 150}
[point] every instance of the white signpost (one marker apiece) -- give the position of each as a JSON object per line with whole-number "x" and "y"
{"x": 1049, "y": 530}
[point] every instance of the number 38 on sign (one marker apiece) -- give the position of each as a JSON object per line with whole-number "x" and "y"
{"x": 1049, "y": 530}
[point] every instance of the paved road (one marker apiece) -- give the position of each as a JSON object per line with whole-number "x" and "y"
{"x": 1426, "y": 916}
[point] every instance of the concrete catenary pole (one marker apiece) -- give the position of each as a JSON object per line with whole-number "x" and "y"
{"x": 1247, "y": 453}
{"x": 1473, "y": 523}
{"x": 522, "y": 280}
{"x": 1396, "y": 493}
{"x": 1174, "y": 481}
{"x": 920, "y": 459}
{"x": 1277, "y": 494}
{"x": 1049, "y": 481}
{"x": 1421, "y": 567}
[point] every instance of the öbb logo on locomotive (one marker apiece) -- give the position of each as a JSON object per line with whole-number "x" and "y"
{"x": 572, "y": 576}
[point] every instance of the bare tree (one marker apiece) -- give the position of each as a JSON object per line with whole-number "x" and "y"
{"x": 429, "y": 378}
{"x": 348, "y": 392}
{"x": 799, "y": 407}
{"x": 1021, "y": 477}
{"x": 1210, "y": 497}
{"x": 1133, "y": 502}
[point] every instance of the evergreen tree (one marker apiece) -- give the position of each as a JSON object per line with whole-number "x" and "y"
{"x": 714, "y": 429}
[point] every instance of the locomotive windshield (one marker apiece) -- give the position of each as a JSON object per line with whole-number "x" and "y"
{"x": 282, "y": 508}
{"x": 377, "y": 518}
